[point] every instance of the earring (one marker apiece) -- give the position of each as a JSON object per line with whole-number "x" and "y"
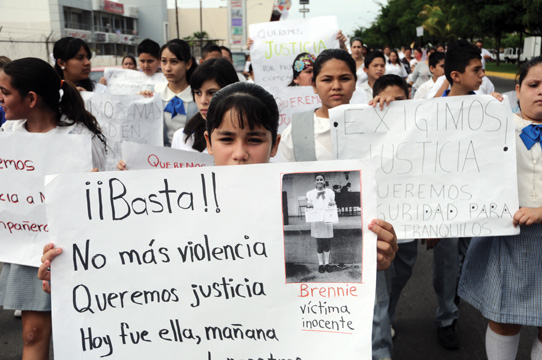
{"x": 63, "y": 67}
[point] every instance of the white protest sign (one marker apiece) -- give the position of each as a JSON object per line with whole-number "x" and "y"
{"x": 24, "y": 161}
{"x": 206, "y": 263}
{"x": 292, "y": 100}
{"x": 130, "y": 82}
{"x": 142, "y": 157}
{"x": 277, "y": 43}
{"x": 513, "y": 101}
{"x": 126, "y": 118}
{"x": 446, "y": 167}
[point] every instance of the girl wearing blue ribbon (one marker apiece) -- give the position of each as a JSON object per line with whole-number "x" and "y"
{"x": 502, "y": 276}
{"x": 320, "y": 199}
{"x": 177, "y": 67}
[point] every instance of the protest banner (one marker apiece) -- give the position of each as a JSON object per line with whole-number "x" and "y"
{"x": 277, "y": 43}
{"x": 23, "y": 223}
{"x": 446, "y": 167}
{"x": 126, "y": 118}
{"x": 144, "y": 157}
{"x": 198, "y": 262}
{"x": 130, "y": 82}
{"x": 292, "y": 100}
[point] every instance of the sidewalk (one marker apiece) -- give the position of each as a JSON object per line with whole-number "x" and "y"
{"x": 501, "y": 75}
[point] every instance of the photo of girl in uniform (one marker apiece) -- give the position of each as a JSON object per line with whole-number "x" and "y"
{"x": 322, "y": 226}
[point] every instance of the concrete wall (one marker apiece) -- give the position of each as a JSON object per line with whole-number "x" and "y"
{"x": 153, "y": 17}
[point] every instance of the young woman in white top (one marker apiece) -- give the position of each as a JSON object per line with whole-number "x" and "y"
{"x": 177, "y": 67}
{"x": 394, "y": 66}
{"x": 31, "y": 90}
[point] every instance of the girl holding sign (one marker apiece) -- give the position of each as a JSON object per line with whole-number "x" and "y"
{"x": 72, "y": 63}
{"x": 302, "y": 68}
{"x": 30, "y": 89}
{"x": 321, "y": 199}
{"x": 502, "y": 275}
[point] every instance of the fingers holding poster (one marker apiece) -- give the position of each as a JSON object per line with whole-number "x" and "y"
{"x": 276, "y": 44}
{"x": 437, "y": 162}
{"x": 185, "y": 278}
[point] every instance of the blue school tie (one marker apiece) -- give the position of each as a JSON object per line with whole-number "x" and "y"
{"x": 531, "y": 135}
{"x": 175, "y": 106}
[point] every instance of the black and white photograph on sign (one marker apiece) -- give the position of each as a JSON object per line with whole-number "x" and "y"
{"x": 322, "y": 227}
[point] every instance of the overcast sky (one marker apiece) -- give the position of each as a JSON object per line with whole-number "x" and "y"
{"x": 351, "y": 13}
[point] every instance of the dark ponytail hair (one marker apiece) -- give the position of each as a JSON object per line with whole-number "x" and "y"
{"x": 66, "y": 49}
{"x": 223, "y": 73}
{"x": 181, "y": 50}
{"x": 32, "y": 74}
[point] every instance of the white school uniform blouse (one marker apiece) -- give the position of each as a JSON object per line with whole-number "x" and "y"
{"x": 179, "y": 121}
{"x": 322, "y": 141}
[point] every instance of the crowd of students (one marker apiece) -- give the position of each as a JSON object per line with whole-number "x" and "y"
{"x": 209, "y": 107}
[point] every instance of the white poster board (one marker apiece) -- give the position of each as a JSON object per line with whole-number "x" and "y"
{"x": 126, "y": 118}
{"x": 130, "y": 82}
{"x": 292, "y": 100}
{"x": 277, "y": 43}
{"x": 144, "y": 157}
{"x": 165, "y": 262}
{"x": 24, "y": 161}
{"x": 446, "y": 167}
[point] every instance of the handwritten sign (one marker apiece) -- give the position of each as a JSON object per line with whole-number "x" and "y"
{"x": 446, "y": 167}
{"x": 292, "y": 100}
{"x": 276, "y": 44}
{"x": 131, "y": 82}
{"x": 166, "y": 262}
{"x": 23, "y": 223}
{"x": 142, "y": 157}
{"x": 126, "y": 118}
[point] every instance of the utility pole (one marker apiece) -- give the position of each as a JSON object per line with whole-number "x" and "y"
{"x": 303, "y": 9}
{"x": 177, "y": 18}
{"x": 200, "y": 28}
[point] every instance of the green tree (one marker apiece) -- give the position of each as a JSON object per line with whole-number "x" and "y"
{"x": 439, "y": 22}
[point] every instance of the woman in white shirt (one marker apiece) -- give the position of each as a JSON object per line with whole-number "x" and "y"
{"x": 394, "y": 67}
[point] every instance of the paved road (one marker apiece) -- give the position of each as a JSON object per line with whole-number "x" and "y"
{"x": 416, "y": 331}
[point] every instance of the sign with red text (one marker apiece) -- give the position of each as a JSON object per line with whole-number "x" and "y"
{"x": 201, "y": 262}
{"x": 23, "y": 223}
{"x": 143, "y": 157}
{"x": 277, "y": 43}
{"x": 446, "y": 167}
{"x": 293, "y": 100}
{"x": 126, "y": 118}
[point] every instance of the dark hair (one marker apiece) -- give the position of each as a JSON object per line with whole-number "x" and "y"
{"x": 149, "y": 46}
{"x": 227, "y": 50}
{"x": 398, "y": 60}
{"x": 209, "y": 48}
{"x": 373, "y": 55}
{"x": 356, "y": 39}
{"x": 435, "y": 58}
{"x": 458, "y": 56}
{"x": 181, "y": 50}
{"x": 526, "y": 67}
{"x": 296, "y": 73}
{"x": 32, "y": 74}
{"x": 331, "y": 54}
{"x": 252, "y": 103}
{"x": 66, "y": 49}
{"x": 129, "y": 57}
{"x": 385, "y": 81}
{"x": 319, "y": 174}
{"x": 417, "y": 49}
{"x": 3, "y": 61}
{"x": 223, "y": 73}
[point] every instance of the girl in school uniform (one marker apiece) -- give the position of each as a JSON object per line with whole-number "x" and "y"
{"x": 177, "y": 66}
{"x": 210, "y": 76}
{"x": 502, "y": 275}
{"x": 321, "y": 198}
{"x": 394, "y": 66}
{"x": 72, "y": 63}
{"x": 31, "y": 90}
{"x": 302, "y": 69}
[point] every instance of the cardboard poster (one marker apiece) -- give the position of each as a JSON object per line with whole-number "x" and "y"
{"x": 211, "y": 263}
{"x": 23, "y": 223}
{"x": 143, "y": 157}
{"x": 130, "y": 82}
{"x": 446, "y": 167}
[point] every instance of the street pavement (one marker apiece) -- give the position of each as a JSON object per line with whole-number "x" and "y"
{"x": 416, "y": 332}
